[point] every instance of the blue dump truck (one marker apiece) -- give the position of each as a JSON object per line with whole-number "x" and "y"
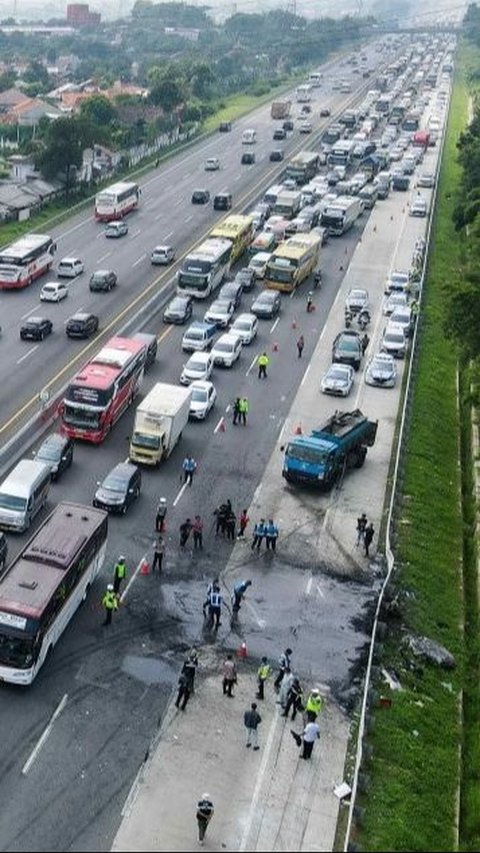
{"x": 322, "y": 457}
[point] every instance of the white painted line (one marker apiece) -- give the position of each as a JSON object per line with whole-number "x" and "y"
{"x": 27, "y": 354}
{"x": 34, "y": 754}
{"x": 219, "y": 426}
{"x": 228, "y": 409}
{"x": 180, "y": 201}
{"x": 179, "y": 494}
{"x": 320, "y": 591}
{"x": 135, "y": 234}
{"x": 260, "y": 777}
{"x": 188, "y": 218}
{"x": 158, "y": 216}
{"x": 308, "y": 588}
{"x": 252, "y": 365}
{"x": 237, "y": 178}
{"x": 104, "y": 257}
{"x": 257, "y": 493}
{"x": 139, "y": 260}
{"x": 132, "y": 579}
{"x": 102, "y": 234}
{"x": 305, "y": 375}
{"x": 282, "y": 430}
{"x": 275, "y": 325}
{"x": 167, "y": 236}
{"x": 32, "y": 310}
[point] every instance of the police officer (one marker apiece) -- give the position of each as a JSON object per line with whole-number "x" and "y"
{"x": 215, "y": 607}
{"x": 189, "y": 467}
{"x": 119, "y": 574}
{"x": 160, "y": 516}
{"x": 239, "y": 590}
{"x": 258, "y": 534}
{"x": 314, "y": 705}
{"x": 263, "y": 673}
{"x": 158, "y": 553}
{"x": 271, "y": 535}
{"x": 309, "y": 302}
{"x": 284, "y": 664}
{"x": 236, "y": 411}
{"x": 210, "y": 588}
{"x": 110, "y": 603}
{"x": 263, "y": 362}
{"x": 243, "y": 409}
{"x": 294, "y": 699}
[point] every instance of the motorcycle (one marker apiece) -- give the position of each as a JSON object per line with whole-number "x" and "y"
{"x": 317, "y": 279}
{"x": 348, "y": 318}
{"x": 363, "y": 319}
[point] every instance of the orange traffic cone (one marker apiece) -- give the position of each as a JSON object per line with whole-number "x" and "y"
{"x": 298, "y": 430}
{"x": 294, "y": 324}
{"x": 144, "y": 567}
{"x": 275, "y": 348}
{"x": 242, "y": 651}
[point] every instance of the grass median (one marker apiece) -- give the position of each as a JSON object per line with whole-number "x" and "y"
{"x": 415, "y": 778}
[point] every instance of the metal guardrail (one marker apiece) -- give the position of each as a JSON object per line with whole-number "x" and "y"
{"x": 396, "y": 484}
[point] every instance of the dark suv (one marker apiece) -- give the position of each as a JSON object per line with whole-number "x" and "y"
{"x": 119, "y": 488}
{"x": 248, "y": 158}
{"x": 81, "y": 325}
{"x": 200, "y": 197}
{"x": 35, "y": 329}
{"x": 103, "y": 280}
{"x": 347, "y": 348}
{"x": 56, "y": 452}
{"x": 225, "y": 126}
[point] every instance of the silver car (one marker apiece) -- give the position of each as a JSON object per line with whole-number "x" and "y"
{"x": 381, "y": 371}
{"x": 338, "y": 380}
{"x": 394, "y": 341}
{"x": 357, "y": 300}
{"x": 394, "y": 301}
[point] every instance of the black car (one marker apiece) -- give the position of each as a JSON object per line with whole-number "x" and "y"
{"x": 151, "y": 344}
{"x": 276, "y": 155}
{"x": 232, "y": 291}
{"x": 266, "y": 305}
{"x": 178, "y": 310}
{"x": 347, "y": 348}
{"x": 288, "y": 124}
{"x": 324, "y": 112}
{"x": 3, "y": 551}
{"x": 200, "y": 197}
{"x": 248, "y": 158}
{"x": 225, "y": 126}
{"x": 119, "y": 488}
{"x": 35, "y": 329}
{"x": 103, "y": 280}
{"x": 222, "y": 201}
{"x": 279, "y": 133}
{"x": 81, "y": 325}
{"x": 56, "y": 452}
{"x": 306, "y": 109}
{"x": 247, "y": 278}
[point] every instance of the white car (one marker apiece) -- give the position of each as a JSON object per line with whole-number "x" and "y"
{"x": 357, "y": 300}
{"x": 306, "y": 127}
{"x": 381, "y": 371}
{"x": 402, "y": 315}
{"x": 162, "y": 255}
{"x": 418, "y": 207}
{"x": 246, "y": 327}
{"x": 338, "y": 380}
{"x": 395, "y": 300}
{"x": 226, "y": 350}
{"x": 198, "y": 366}
{"x": 394, "y": 341}
{"x": 398, "y": 280}
{"x": 212, "y": 164}
{"x": 259, "y": 263}
{"x": 220, "y": 312}
{"x": 53, "y": 291}
{"x": 202, "y": 400}
{"x": 426, "y": 179}
{"x": 70, "y": 268}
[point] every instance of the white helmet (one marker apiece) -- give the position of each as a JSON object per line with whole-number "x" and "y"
{"x": 205, "y": 796}
{"x": 163, "y": 500}
{"x": 110, "y": 587}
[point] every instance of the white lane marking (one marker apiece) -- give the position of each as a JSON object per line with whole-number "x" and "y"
{"x": 256, "y": 493}
{"x": 320, "y": 591}
{"x": 228, "y": 409}
{"x": 305, "y": 375}
{"x": 44, "y": 736}
{"x": 167, "y": 236}
{"x": 74, "y": 228}
{"x": 252, "y": 365}
{"x": 180, "y": 201}
{"x": 188, "y": 218}
{"x": 179, "y": 494}
{"x": 259, "y": 783}
{"x": 102, "y": 234}
{"x": 237, "y": 178}
{"x": 104, "y": 257}
{"x": 35, "y": 308}
{"x": 308, "y": 587}
{"x": 139, "y": 260}
{"x": 133, "y": 578}
{"x": 219, "y": 426}
{"x": 135, "y": 234}
{"x": 158, "y": 216}
{"x": 275, "y": 325}
{"x": 27, "y": 354}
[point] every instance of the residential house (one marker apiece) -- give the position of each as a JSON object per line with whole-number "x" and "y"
{"x": 29, "y": 112}
{"x": 11, "y": 98}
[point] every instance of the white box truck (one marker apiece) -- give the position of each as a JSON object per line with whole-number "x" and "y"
{"x": 159, "y": 421}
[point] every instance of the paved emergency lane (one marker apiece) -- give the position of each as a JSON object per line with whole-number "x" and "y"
{"x": 165, "y": 214}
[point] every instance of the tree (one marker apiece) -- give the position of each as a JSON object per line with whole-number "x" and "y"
{"x": 7, "y": 80}
{"x": 99, "y": 110}
{"x": 202, "y": 78}
{"x": 167, "y": 88}
{"x": 65, "y": 141}
{"x": 37, "y": 74}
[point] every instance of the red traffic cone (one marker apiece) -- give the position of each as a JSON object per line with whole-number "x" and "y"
{"x": 298, "y": 430}
{"x": 222, "y": 425}
{"x": 144, "y": 567}
{"x": 242, "y": 651}
{"x": 294, "y": 324}
{"x": 275, "y": 348}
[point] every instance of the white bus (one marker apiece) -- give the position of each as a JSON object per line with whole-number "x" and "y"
{"x": 25, "y": 260}
{"x": 43, "y": 587}
{"x": 116, "y": 201}
{"x": 341, "y": 153}
{"x": 315, "y": 78}
{"x": 204, "y": 269}
{"x": 303, "y": 93}
{"x": 341, "y": 214}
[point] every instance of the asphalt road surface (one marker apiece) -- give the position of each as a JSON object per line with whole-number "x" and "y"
{"x": 113, "y": 685}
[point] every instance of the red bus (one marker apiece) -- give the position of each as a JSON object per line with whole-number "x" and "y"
{"x": 116, "y": 201}
{"x": 25, "y": 259}
{"x": 103, "y": 389}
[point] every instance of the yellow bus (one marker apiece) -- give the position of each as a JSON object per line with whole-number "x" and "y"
{"x": 239, "y": 230}
{"x": 292, "y": 262}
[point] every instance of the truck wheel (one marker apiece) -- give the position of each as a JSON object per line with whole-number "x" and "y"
{"x": 359, "y": 458}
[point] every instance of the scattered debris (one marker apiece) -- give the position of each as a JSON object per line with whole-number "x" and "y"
{"x": 342, "y": 791}
{"x": 431, "y": 651}
{"x": 391, "y": 680}
{"x": 415, "y": 733}
{"x": 447, "y": 685}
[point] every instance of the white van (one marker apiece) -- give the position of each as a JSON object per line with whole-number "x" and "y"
{"x": 69, "y": 268}
{"x": 23, "y": 494}
{"x": 249, "y": 136}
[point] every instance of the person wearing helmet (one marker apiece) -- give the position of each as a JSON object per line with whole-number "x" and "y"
{"x": 309, "y": 302}
{"x": 205, "y": 812}
{"x": 160, "y": 516}
{"x": 314, "y": 705}
{"x": 110, "y": 603}
{"x": 119, "y": 574}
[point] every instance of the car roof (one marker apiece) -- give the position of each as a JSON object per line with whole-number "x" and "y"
{"x": 55, "y": 439}
{"x": 124, "y": 469}
{"x": 394, "y": 327}
{"x": 102, "y": 272}
{"x": 246, "y": 316}
{"x": 202, "y": 384}
{"x": 202, "y": 356}
{"x": 162, "y": 248}
{"x": 70, "y": 260}
{"x": 267, "y": 294}
{"x": 53, "y": 284}
{"x": 228, "y": 337}
{"x": 81, "y": 315}
{"x": 36, "y": 320}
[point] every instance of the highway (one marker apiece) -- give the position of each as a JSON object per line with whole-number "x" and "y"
{"x": 66, "y": 791}
{"x": 165, "y": 214}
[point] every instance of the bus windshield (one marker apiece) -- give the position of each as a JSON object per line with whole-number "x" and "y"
{"x": 191, "y": 279}
{"x": 78, "y": 416}
{"x": 16, "y": 651}
{"x": 284, "y": 274}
